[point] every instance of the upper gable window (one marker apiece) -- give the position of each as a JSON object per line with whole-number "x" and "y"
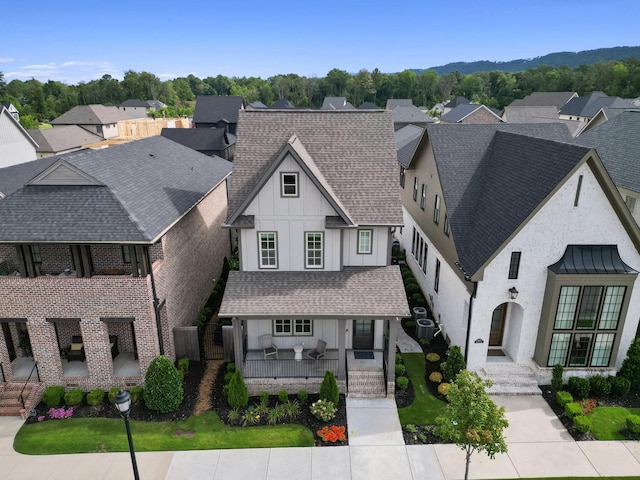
{"x": 631, "y": 202}
{"x": 268, "y": 247}
{"x": 289, "y": 184}
{"x": 313, "y": 250}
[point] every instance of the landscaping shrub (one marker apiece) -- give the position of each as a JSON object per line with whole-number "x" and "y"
{"x": 582, "y": 423}
{"x": 400, "y": 370}
{"x": 600, "y": 386}
{"x": 111, "y": 395}
{"x": 402, "y": 383}
{"x": 398, "y": 358}
{"x": 227, "y": 377}
{"x": 435, "y": 377}
{"x": 579, "y": 387}
{"x": 291, "y": 409}
{"x": 556, "y": 378}
{"x": 454, "y": 364}
{"x": 418, "y": 299}
{"x": 407, "y": 276}
{"x": 233, "y": 417}
{"x": 163, "y": 390}
{"x": 136, "y": 394}
{"x": 633, "y": 423}
{"x": 283, "y": 396}
{"x": 444, "y": 388}
{"x": 303, "y": 396}
{"x": 620, "y": 386}
{"x": 573, "y": 409}
{"x": 323, "y": 410}
{"x": 237, "y": 395}
{"x": 563, "y": 398}
{"x": 630, "y": 368}
{"x": 412, "y": 288}
{"x": 432, "y": 357}
{"x": 231, "y": 367}
{"x": 183, "y": 365}
{"x": 410, "y": 323}
{"x": 264, "y": 398}
{"x": 329, "y": 388}
{"x": 73, "y": 397}
{"x": 95, "y": 397}
{"x": 52, "y": 396}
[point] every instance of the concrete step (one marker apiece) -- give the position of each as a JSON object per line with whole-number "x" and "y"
{"x": 510, "y": 379}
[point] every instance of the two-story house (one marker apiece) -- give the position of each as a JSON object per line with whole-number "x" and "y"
{"x": 16, "y": 145}
{"x": 525, "y": 249}
{"x": 315, "y": 203}
{"x": 103, "y": 253}
{"x": 99, "y": 119}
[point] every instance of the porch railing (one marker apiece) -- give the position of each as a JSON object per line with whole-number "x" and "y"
{"x": 21, "y": 396}
{"x": 272, "y": 368}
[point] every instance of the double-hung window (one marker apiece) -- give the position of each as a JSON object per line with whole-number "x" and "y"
{"x": 514, "y": 266}
{"x": 415, "y": 189}
{"x": 436, "y": 281}
{"x": 289, "y": 327}
{"x": 36, "y": 256}
{"x": 423, "y": 197}
{"x": 403, "y": 174}
{"x": 289, "y": 184}
{"x": 364, "y": 241}
{"x": 314, "y": 249}
{"x": 268, "y": 248}
{"x": 436, "y": 211}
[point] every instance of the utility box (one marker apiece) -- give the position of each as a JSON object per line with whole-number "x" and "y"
{"x": 425, "y": 328}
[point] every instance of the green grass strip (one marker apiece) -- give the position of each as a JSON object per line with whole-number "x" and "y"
{"x": 90, "y": 435}
{"x": 425, "y": 407}
{"x": 606, "y": 422}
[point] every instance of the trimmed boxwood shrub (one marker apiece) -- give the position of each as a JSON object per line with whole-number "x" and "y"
{"x": 227, "y": 377}
{"x": 400, "y": 370}
{"x": 52, "y": 396}
{"x": 432, "y": 357}
{"x": 95, "y": 397}
{"x": 556, "y": 378}
{"x": 579, "y": 387}
{"x": 237, "y": 394}
{"x": 163, "y": 390}
{"x": 582, "y": 423}
{"x": 435, "y": 377}
{"x": 231, "y": 367}
{"x": 329, "y": 388}
{"x": 264, "y": 397}
{"x": 73, "y": 397}
{"x": 444, "y": 388}
{"x": 136, "y": 394}
{"x": 183, "y": 365}
{"x": 283, "y": 396}
{"x": 563, "y": 398}
{"x": 111, "y": 395}
{"x": 418, "y": 299}
{"x": 402, "y": 383}
{"x": 573, "y": 409}
{"x": 600, "y": 386}
{"x": 398, "y": 358}
{"x": 620, "y": 386}
{"x": 303, "y": 396}
{"x": 633, "y": 423}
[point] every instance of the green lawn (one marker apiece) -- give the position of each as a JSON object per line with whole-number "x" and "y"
{"x": 86, "y": 435}
{"x": 425, "y": 407}
{"x": 606, "y": 422}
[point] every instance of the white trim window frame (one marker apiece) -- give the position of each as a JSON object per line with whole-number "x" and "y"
{"x": 314, "y": 250}
{"x": 289, "y": 184}
{"x": 268, "y": 250}
{"x": 287, "y": 327}
{"x": 365, "y": 241}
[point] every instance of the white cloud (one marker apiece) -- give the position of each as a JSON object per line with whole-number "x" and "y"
{"x": 71, "y": 72}
{"x": 6, "y": 59}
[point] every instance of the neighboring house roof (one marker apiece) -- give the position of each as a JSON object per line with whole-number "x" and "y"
{"x": 62, "y": 138}
{"x": 399, "y": 102}
{"x": 353, "y": 292}
{"x": 457, "y": 100}
{"x": 544, "y": 99}
{"x": 134, "y": 102}
{"x": 132, "y": 192}
{"x": 548, "y": 114}
{"x": 282, "y": 103}
{"x": 462, "y": 111}
{"x": 336, "y": 103}
{"x": 15, "y": 177}
{"x": 368, "y": 106}
{"x": 256, "y": 104}
{"x": 410, "y": 114}
{"x": 492, "y": 178}
{"x": 93, "y": 115}
{"x": 214, "y": 108}
{"x": 201, "y": 139}
{"x": 350, "y": 154}
{"x": 407, "y": 139}
{"x": 590, "y": 105}
{"x": 617, "y": 142}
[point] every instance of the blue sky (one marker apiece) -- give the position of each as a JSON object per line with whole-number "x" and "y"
{"x": 73, "y": 40}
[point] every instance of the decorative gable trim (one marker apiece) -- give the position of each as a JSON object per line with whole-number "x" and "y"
{"x": 63, "y": 173}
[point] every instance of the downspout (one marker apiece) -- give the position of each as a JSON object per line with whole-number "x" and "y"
{"x": 471, "y": 297}
{"x": 156, "y": 302}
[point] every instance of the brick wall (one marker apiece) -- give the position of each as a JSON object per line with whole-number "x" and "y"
{"x": 8, "y": 254}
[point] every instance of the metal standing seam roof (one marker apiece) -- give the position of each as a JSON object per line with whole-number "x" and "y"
{"x": 591, "y": 259}
{"x": 352, "y": 292}
{"x": 354, "y": 150}
{"x": 146, "y": 186}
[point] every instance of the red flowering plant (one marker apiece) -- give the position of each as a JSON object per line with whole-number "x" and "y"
{"x": 332, "y": 433}
{"x": 587, "y": 405}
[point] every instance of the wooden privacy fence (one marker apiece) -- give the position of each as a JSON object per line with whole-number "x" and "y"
{"x": 138, "y": 128}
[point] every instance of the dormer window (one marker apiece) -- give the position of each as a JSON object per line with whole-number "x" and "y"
{"x": 289, "y": 184}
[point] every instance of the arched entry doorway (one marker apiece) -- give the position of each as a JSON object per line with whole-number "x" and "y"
{"x": 498, "y": 320}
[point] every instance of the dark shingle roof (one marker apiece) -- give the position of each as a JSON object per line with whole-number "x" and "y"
{"x": 336, "y": 103}
{"x": 214, "y": 108}
{"x": 134, "y": 102}
{"x": 93, "y": 115}
{"x": 368, "y": 106}
{"x": 14, "y": 177}
{"x": 407, "y": 139}
{"x": 201, "y": 139}
{"x": 462, "y": 111}
{"x": 544, "y": 99}
{"x": 399, "y": 102}
{"x": 410, "y": 114}
{"x": 590, "y": 105}
{"x": 617, "y": 142}
{"x": 458, "y": 100}
{"x": 147, "y": 185}
{"x": 282, "y": 103}
{"x": 62, "y": 138}
{"x": 493, "y": 176}
{"x": 353, "y": 150}
{"x": 352, "y": 292}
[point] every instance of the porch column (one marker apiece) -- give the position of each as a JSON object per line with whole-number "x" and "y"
{"x": 237, "y": 342}
{"x": 342, "y": 357}
{"x": 391, "y": 354}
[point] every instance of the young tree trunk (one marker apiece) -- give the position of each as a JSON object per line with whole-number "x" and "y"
{"x": 466, "y": 468}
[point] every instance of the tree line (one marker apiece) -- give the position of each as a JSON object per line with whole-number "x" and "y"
{"x": 42, "y": 102}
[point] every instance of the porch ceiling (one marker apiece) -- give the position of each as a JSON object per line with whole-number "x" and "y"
{"x": 376, "y": 292}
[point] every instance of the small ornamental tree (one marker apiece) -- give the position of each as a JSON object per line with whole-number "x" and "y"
{"x": 163, "y": 386}
{"x": 329, "y": 388}
{"x": 630, "y": 368}
{"x": 237, "y": 394}
{"x": 454, "y": 364}
{"x": 471, "y": 420}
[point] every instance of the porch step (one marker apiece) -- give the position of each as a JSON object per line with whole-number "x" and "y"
{"x": 366, "y": 384}
{"x": 10, "y": 404}
{"x": 510, "y": 379}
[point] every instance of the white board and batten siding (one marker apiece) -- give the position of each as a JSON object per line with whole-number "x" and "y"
{"x": 15, "y": 144}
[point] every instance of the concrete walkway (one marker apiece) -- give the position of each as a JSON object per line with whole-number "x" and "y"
{"x": 538, "y": 447}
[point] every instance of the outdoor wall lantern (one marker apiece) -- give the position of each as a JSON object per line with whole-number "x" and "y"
{"x": 513, "y": 293}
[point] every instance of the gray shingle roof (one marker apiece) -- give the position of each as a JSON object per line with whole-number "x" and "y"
{"x": 353, "y": 150}
{"x": 493, "y": 176}
{"x": 214, "y": 108}
{"x": 399, "y": 102}
{"x": 368, "y": 105}
{"x": 410, "y": 114}
{"x": 16, "y": 176}
{"x": 134, "y": 102}
{"x": 93, "y": 115}
{"x": 617, "y": 142}
{"x": 201, "y": 139}
{"x": 282, "y": 103}
{"x": 336, "y": 103}
{"x": 590, "y": 105}
{"x": 462, "y": 111}
{"x": 149, "y": 184}
{"x": 352, "y": 292}
{"x": 544, "y": 99}
{"x": 62, "y": 138}
{"x": 407, "y": 139}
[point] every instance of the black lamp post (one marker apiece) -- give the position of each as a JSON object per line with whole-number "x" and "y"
{"x": 123, "y": 403}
